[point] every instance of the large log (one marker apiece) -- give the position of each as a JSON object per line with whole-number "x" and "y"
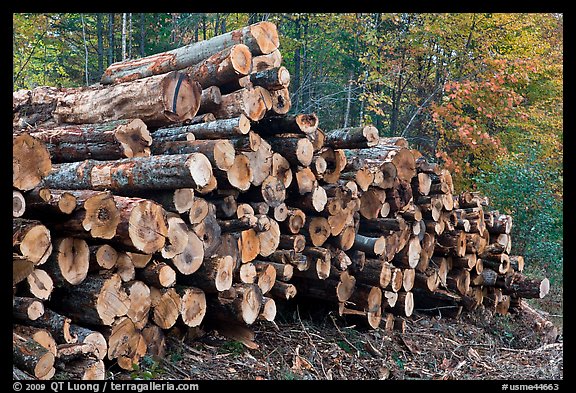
{"x": 104, "y": 141}
{"x": 216, "y": 129}
{"x": 352, "y": 137}
{"x": 132, "y": 175}
{"x": 261, "y": 38}
{"x": 32, "y": 357}
{"x": 158, "y": 100}
{"x": 247, "y": 101}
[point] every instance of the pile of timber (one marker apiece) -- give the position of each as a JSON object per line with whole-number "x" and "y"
{"x": 180, "y": 191}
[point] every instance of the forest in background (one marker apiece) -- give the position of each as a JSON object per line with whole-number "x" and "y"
{"x": 480, "y": 93}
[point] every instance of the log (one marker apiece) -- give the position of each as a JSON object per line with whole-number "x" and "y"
{"x": 125, "y": 343}
{"x": 269, "y": 239}
{"x": 216, "y": 129}
{"x": 368, "y": 299}
{"x": 45, "y": 201}
{"x": 39, "y": 335}
{"x": 157, "y": 101}
{"x": 85, "y": 369}
{"x": 31, "y": 239}
{"x": 271, "y": 78}
{"x": 214, "y": 275}
{"x": 59, "y": 326}
{"x": 155, "y": 341}
{"x": 95, "y": 339}
{"x": 158, "y": 274}
{"x": 247, "y": 101}
{"x": 69, "y": 263}
{"x": 139, "y": 302}
{"x": 32, "y": 107}
{"x": 317, "y": 230}
{"x": 133, "y": 175}
{"x": 295, "y": 220}
{"x": 26, "y": 308}
{"x": 265, "y": 61}
{"x": 104, "y": 141}
{"x": 298, "y": 151}
{"x": 21, "y": 269}
{"x": 281, "y": 102}
{"x": 372, "y": 246}
{"x": 283, "y": 290}
{"x": 261, "y": 38}
{"x": 220, "y": 152}
{"x": 209, "y": 231}
{"x": 190, "y": 260}
{"x": 192, "y": 305}
{"x": 99, "y": 300}
{"x": 98, "y": 216}
{"x": 31, "y": 357}
{"x": 222, "y": 67}
{"x": 28, "y": 173}
{"x": 18, "y": 204}
{"x": 261, "y": 162}
{"x": 352, "y": 137}
{"x": 40, "y": 284}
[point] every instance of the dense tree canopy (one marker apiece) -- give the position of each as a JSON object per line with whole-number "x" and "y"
{"x": 479, "y": 92}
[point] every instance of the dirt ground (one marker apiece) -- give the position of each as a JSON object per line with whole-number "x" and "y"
{"x": 311, "y": 343}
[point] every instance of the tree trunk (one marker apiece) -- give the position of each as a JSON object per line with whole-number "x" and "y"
{"x": 27, "y": 173}
{"x": 222, "y": 67}
{"x": 31, "y": 239}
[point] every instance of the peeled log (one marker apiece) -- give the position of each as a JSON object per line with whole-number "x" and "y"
{"x": 106, "y": 141}
{"x": 157, "y": 101}
{"x": 132, "y": 175}
{"x": 260, "y": 38}
{"x": 30, "y": 162}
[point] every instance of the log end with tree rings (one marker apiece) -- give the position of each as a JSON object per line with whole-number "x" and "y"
{"x": 273, "y": 191}
{"x": 134, "y": 138}
{"x": 102, "y": 215}
{"x": 266, "y": 37}
{"x": 18, "y": 204}
{"x": 30, "y": 162}
{"x": 148, "y": 228}
{"x": 200, "y": 169}
{"x": 240, "y": 173}
{"x": 181, "y": 96}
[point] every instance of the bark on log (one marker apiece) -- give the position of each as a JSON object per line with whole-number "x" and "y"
{"x": 27, "y": 308}
{"x": 247, "y": 101}
{"x": 352, "y": 138}
{"x": 261, "y": 38}
{"x": 222, "y": 67}
{"x": 132, "y": 175}
{"x": 69, "y": 263}
{"x": 105, "y": 141}
{"x": 31, "y": 239}
{"x": 216, "y": 129}
{"x": 158, "y": 100}
{"x": 31, "y": 357}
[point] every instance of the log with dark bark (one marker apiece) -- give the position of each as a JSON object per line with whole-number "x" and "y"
{"x": 260, "y": 38}
{"x": 27, "y": 308}
{"x": 216, "y": 129}
{"x": 31, "y": 357}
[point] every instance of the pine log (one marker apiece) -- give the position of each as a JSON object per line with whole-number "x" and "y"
{"x": 281, "y": 102}
{"x": 261, "y": 38}
{"x": 216, "y": 129}
{"x": 269, "y": 239}
{"x": 59, "y": 326}
{"x": 40, "y": 335}
{"x": 158, "y": 274}
{"x": 85, "y": 369}
{"x": 192, "y": 305}
{"x": 261, "y": 162}
{"x": 83, "y": 335}
{"x": 283, "y": 290}
{"x": 125, "y": 343}
{"x": 31, "y": 162}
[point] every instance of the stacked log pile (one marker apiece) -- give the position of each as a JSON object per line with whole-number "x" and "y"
{"x": 180, "y": 190}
